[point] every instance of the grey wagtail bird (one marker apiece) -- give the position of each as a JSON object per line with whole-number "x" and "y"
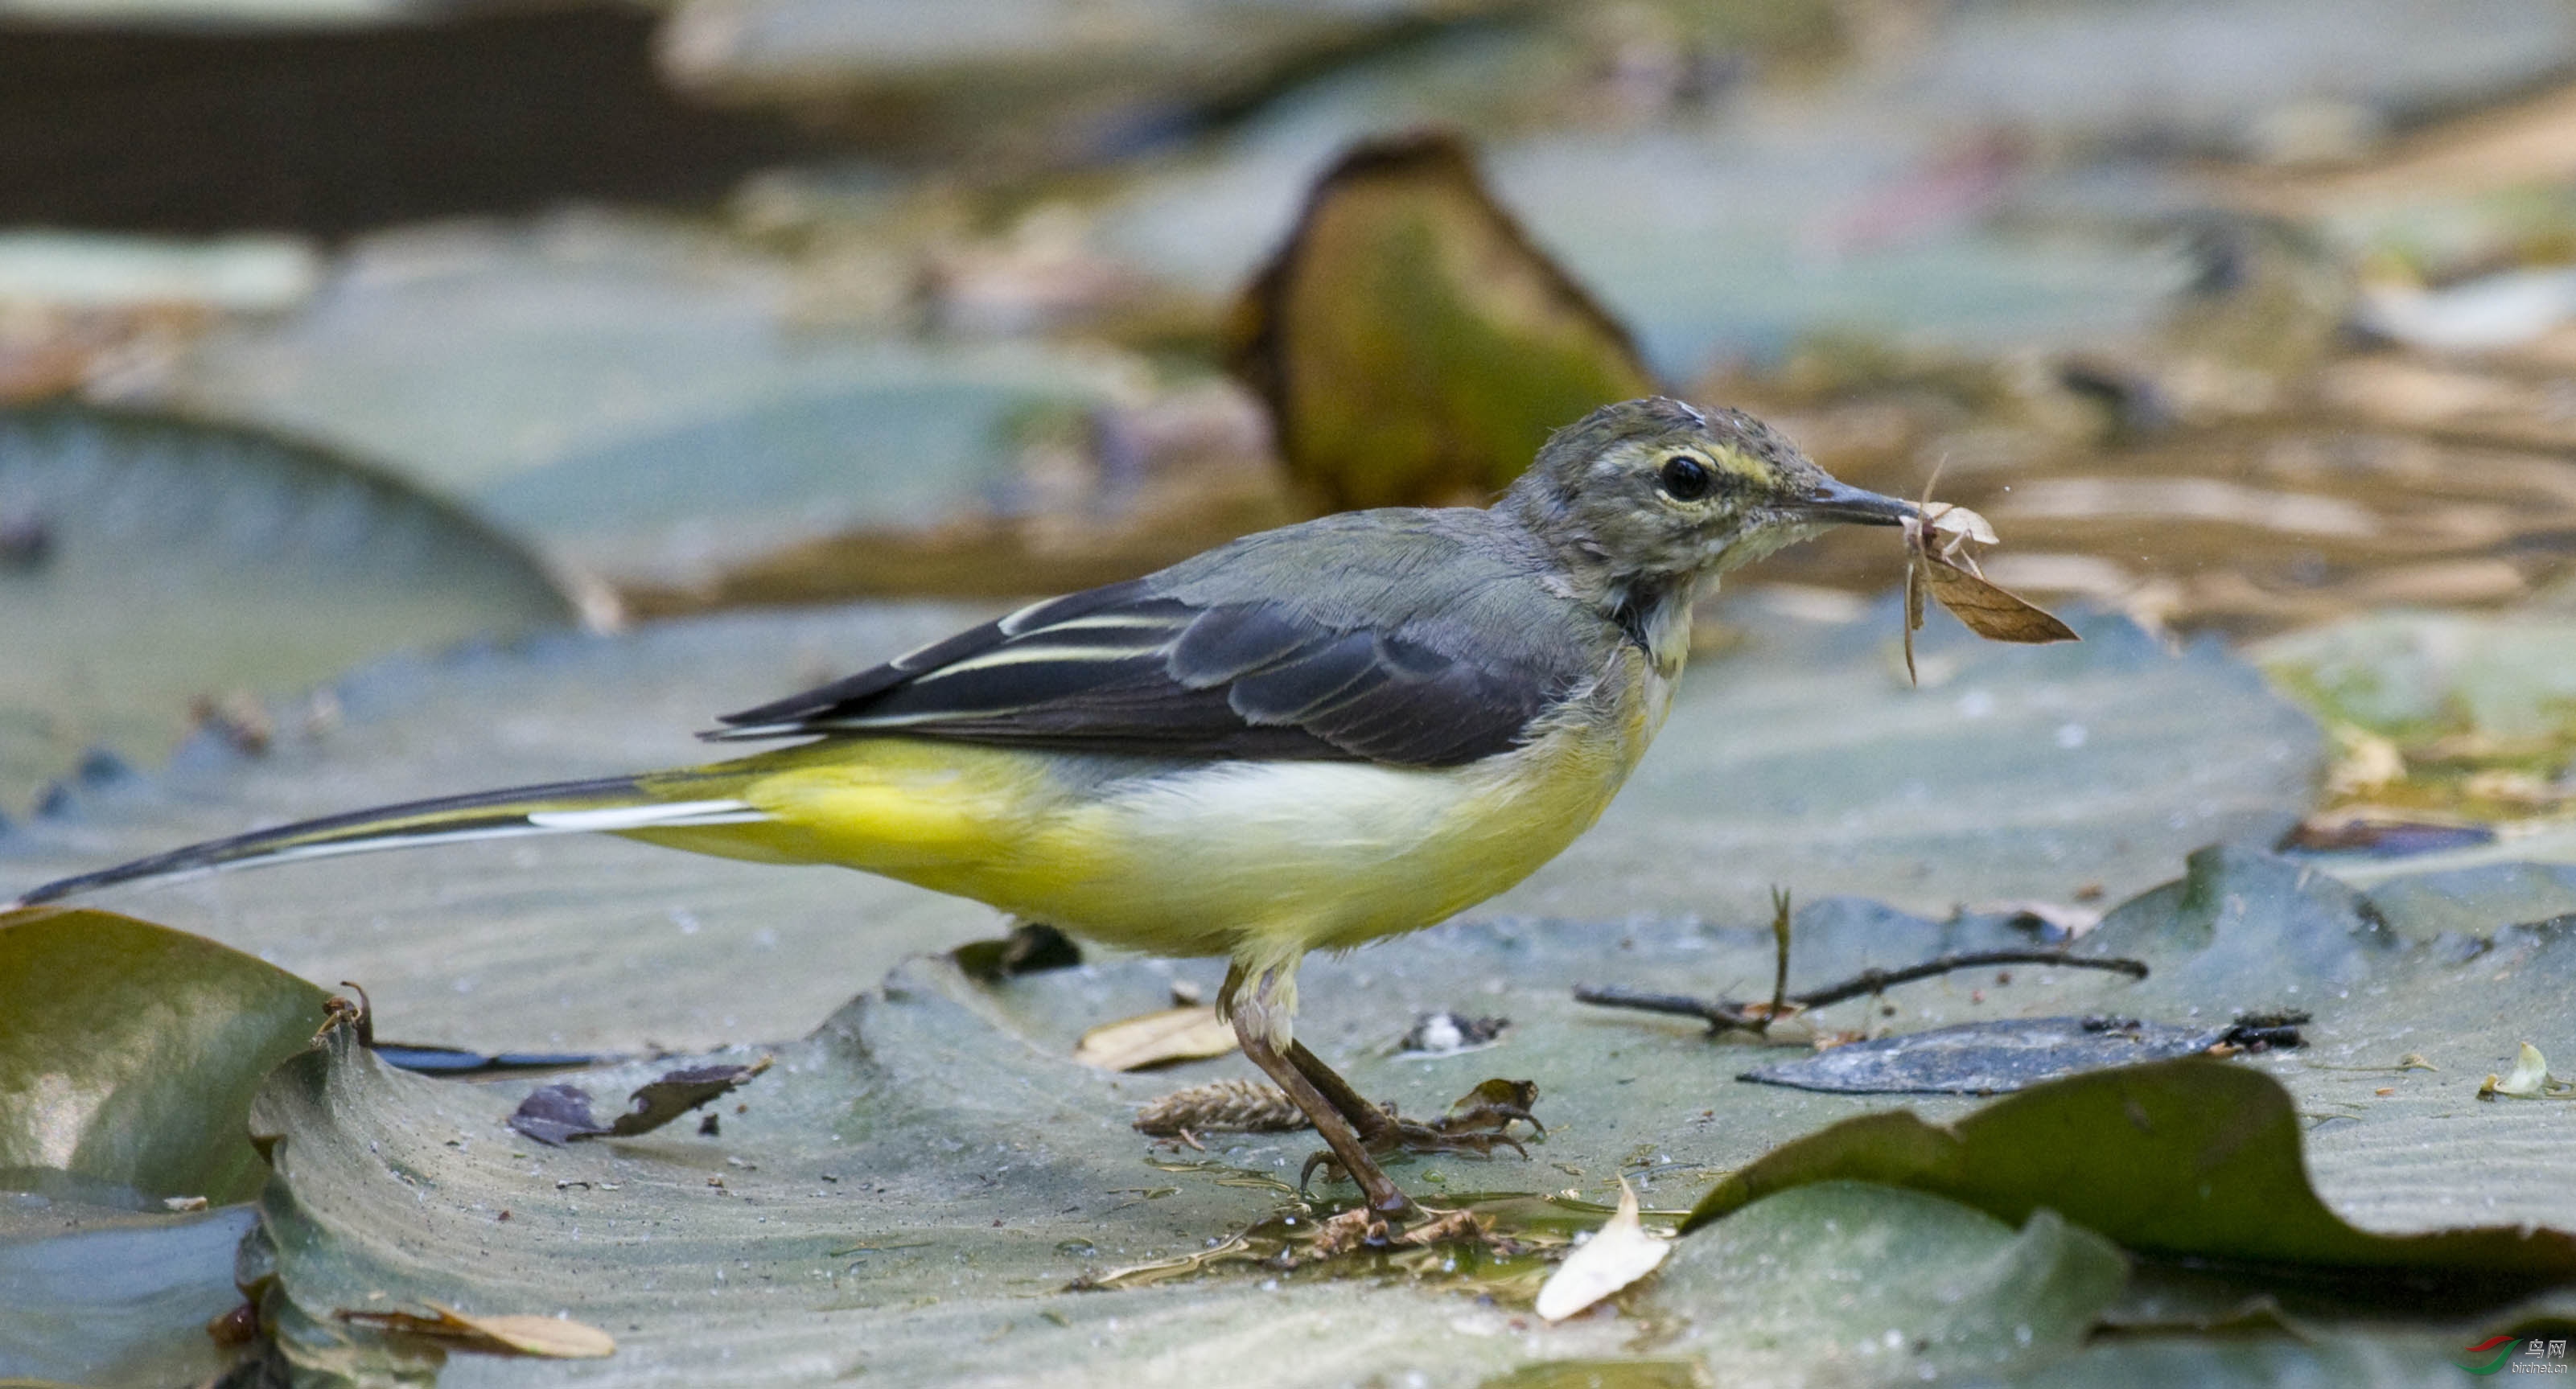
{"x": 1310, "y": 738}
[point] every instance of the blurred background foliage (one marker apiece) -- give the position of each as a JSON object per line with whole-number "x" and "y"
{"x": 2238, "y": 318}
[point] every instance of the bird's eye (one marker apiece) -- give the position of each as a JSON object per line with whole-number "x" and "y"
{"x": 1686, "y": 478}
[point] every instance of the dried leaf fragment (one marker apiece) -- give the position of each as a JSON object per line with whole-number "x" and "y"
{"x": 1154, "y": 1039}
{"x": 661, "y": 1101}
{"x": 1938, "y": 561}
{"x": 1618, "y": 1254}
{"x": 558, "y": 1114}
{"x": 552, "y": 1338}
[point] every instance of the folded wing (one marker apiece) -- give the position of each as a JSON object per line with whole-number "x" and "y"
{"x": 1129, "y": 668}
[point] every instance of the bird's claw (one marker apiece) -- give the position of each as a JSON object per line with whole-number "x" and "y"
{"x": 1478, "y": 1123}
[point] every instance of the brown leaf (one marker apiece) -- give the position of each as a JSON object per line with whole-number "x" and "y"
{"x": 1991, "y": 610}
{"x": 1154, "y": 1039}
{"x": 552, "y": 1338}
{"x": 1940, "y": 561}
{"x": 562, "y": 1113}
{"x": 1413, "y": 346}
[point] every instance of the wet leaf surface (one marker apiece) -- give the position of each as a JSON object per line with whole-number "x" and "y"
{"x": 1987, "y": 1058}
{"x": 864, "y": 1178}
{"x": 1777, "y": 1293}
{"x": 2188, "y": 1159}
{"x": 109, "y": 1297}
{"x": 130, "y": 1053}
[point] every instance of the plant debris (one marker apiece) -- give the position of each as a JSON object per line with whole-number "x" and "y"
{"x": 1724, "y": 1015}
{"x": 1156, "y": 1039}
{"x": 558, "y": 1114}
{"x": 551, "y": 1338}
{"x": 1246, "y": 1106}
{"x": 1361, "y": 1228}
{"x": 1618, "y": 1254}
{"x": 2528, "y": 1080}
{"x": 1939, "y": 560}
{"x": 1451, "y": 1034}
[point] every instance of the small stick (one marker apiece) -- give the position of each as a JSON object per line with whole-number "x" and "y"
{"x": 1780, "y": 956}
{"x": 1721, "y": 1015}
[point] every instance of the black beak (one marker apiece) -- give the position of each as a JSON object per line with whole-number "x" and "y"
{"x": 1835, "y": 501}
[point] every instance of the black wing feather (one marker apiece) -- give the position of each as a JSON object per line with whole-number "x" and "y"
{"x": 1125, "y": 668}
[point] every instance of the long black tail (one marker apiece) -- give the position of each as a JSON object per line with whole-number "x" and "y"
{"x": 662, "y": 801}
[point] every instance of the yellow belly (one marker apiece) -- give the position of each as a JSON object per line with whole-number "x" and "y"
{"x": 1267, "y": 858}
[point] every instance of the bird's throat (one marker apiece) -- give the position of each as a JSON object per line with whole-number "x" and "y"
{"x": 1654, "y": 612}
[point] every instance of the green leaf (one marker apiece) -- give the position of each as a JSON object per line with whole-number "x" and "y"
{"x": 2192, "y": 1159}
{"x": 132, "y": 1051}
{"x": 1842, "y": 1282}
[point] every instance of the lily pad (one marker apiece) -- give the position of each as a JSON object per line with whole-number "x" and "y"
{"x": 1846, "y": 1283}
{"x": 293, "y": 564}
{"x": 112, "y": 1299}
{"x": 132, "y": 1051}
{"x": 911, "y": 1192}
{"x": 1987, "y": 1058}
{"x": 861, "y": 1175}
{"x": 642, "y": 400}
{"x": 2189, "y": 1159}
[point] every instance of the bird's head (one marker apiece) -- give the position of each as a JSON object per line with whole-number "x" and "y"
{"x": 1657, "y": 491}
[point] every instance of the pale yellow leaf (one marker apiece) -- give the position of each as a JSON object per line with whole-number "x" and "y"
{"x": 2529, "y": 1078}
{"x": 552, "y": 1338}
{"x": 1618, "y": 1254}
{"x": 555, "y": 1338}
{"x": 1174, "y": 1034}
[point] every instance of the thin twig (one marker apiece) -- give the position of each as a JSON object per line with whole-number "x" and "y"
{"x": 1780, "y": 953}
{"x": 1721, "y": 1015}
{"x": 1872, "y": 981}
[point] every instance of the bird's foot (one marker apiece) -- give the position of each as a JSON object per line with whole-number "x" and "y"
{"x": 1478, "y": 1123}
